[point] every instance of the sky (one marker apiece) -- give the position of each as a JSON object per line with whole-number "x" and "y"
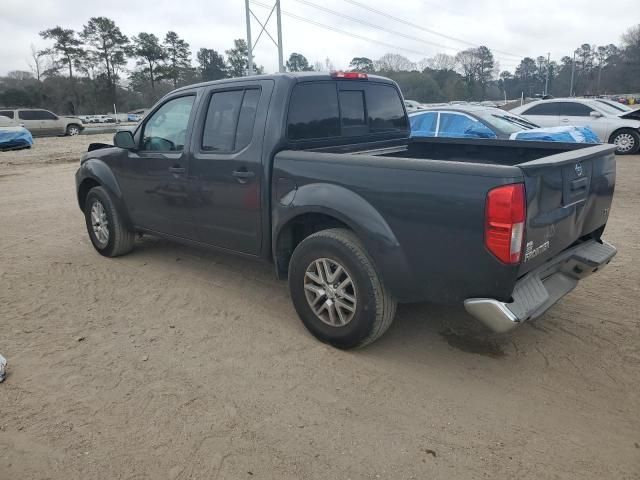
{"x": 512, "y": 29}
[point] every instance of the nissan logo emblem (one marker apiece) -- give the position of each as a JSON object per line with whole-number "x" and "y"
{"x": 578, "y": 169}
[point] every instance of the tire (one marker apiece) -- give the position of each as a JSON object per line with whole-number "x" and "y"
{"x": 119, "y": 239}
{"x": 73, "y": 130}
{"x": 373, "y": 309}
{"x": 626, "y": 140}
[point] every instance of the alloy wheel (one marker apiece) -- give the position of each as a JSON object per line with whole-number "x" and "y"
{"x": 330, "y": 292}
{"x": 100, "y": 224}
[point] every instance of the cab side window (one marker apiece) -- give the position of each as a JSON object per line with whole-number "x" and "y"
{"x": 166, "y": 129}
{"x": 461, "y": 126}
{"x": 552, "y": 109}
{"x": 575, "y": 109}
{"x": 424, "y": 124}
{"x": 230, "y": 118}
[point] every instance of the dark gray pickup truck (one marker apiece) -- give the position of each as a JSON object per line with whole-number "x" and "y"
{"x": 317, "y": 174}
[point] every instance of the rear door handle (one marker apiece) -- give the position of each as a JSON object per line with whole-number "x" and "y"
{"x": 177, "y": 169}
{"x": 243, "y": 174}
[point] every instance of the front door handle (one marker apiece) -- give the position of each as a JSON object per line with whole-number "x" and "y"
{"x": 243, "y": 174}
{"x": 176, "y": 169}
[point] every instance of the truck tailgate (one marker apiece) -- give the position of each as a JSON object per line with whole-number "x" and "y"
{"x": 568, "y": 198}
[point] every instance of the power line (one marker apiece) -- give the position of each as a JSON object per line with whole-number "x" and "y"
{"x": 384, "y": 29}
{"x": 372, "y": 25}
{"x": 344, "y": 32}
{"x": 420, "y": 27}
{"x": 338, "y": 30}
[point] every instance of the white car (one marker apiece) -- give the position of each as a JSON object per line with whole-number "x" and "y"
{"x": 412, "y": 106}
{"x": 603, "y": 119}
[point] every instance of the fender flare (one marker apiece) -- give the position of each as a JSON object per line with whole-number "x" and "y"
{"x": 98, "y": 171}
{"x": 360, "y": 216}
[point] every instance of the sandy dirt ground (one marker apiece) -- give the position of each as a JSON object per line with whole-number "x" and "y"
{"x": 178, "y": 363}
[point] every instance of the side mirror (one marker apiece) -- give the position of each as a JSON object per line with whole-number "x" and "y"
{"x": 595, "y": 114}
{"x": 124, "y": 139}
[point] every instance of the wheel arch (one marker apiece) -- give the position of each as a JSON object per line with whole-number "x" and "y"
{"x": 621, "y": 129}
{"x": 318, "y": 207}
{"x": 95, "y": 173}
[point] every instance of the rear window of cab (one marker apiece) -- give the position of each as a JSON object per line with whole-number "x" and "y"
{"x": 321, "y": 110}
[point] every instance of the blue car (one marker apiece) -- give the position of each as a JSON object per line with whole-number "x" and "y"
{"x": 13, "y": 137}
{"x": 475, "y": 121}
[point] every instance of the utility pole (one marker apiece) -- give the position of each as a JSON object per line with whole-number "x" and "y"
{"x": 279, "y": 22}
{"x": 251, "y": 46}
{"x": 546, "y": 82}
{"x": 573, "y": 68}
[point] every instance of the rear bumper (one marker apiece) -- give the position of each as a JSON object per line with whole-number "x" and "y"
{"x": 540, "y": 289}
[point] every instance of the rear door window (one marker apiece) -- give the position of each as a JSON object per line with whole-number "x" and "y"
{"x": 552, "y": 109}
{"x": 424, "y": 124}
{"x": 230, "y": 118}
{"x": 247, "y": 118}
{"x": 28, "y": 115}
{"x": 462, "y": 126}
{"x": 574, "y": 109}
{"x": 36, "y": 115}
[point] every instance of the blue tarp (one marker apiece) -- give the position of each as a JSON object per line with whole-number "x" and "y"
{"x": 455, "y": 125}
{"x": 567, "y": 133}
{"x": 15, "y": 137}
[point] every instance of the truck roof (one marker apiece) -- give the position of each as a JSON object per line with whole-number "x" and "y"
{"x": 291, "y": 76}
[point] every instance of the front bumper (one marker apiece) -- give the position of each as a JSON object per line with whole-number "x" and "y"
{"x": 540, "y": 289}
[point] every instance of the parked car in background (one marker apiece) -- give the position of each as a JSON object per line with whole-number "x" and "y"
{"x": 472, "y": 121}
{"x": 608, "y": 123}
{"x": 412, "y": 105}
{"x": 105, "y": 119}
{"x": 13, "y": 137}
{"x": 467, "y": 121}
{"x": 43, "y": 122}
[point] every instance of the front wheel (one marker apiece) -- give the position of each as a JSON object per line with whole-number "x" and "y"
{"x": 107, "y": 230}
{"x": 336, "y": 290}
{"x": 73, "y": 130}
{"x": 627, "y": 141}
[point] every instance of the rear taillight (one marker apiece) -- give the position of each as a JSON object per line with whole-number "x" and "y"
{"x": 504, "y": 222}
{"x": 349, "y": 75}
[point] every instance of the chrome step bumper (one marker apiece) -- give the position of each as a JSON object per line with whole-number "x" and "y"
{"x": 540, "y": 289}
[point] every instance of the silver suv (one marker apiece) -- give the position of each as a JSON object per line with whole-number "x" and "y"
{"x": 43, "y": 122}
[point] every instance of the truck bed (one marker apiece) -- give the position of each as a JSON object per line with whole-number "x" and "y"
{"x": 431, "y": 195}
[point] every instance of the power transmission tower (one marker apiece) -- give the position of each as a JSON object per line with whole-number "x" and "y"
{"x": 546, "y": 82}
{"x": 278, "y": 43}
{"x": 573, "y": 69}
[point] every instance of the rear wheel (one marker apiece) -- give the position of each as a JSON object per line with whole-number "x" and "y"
{"x": 336, "y": 290}
{"x": 627, "y": 141}
{"x": 73, "y": 130}
{"x": 107, "y": 230}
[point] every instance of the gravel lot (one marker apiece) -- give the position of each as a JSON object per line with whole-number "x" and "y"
{"x": 177, "y": 363}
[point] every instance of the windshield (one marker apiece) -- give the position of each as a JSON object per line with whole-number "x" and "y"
{"x": 606, "y": 108}
{"x": 506, "y": 122}
{"x": 616, "y": 106}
